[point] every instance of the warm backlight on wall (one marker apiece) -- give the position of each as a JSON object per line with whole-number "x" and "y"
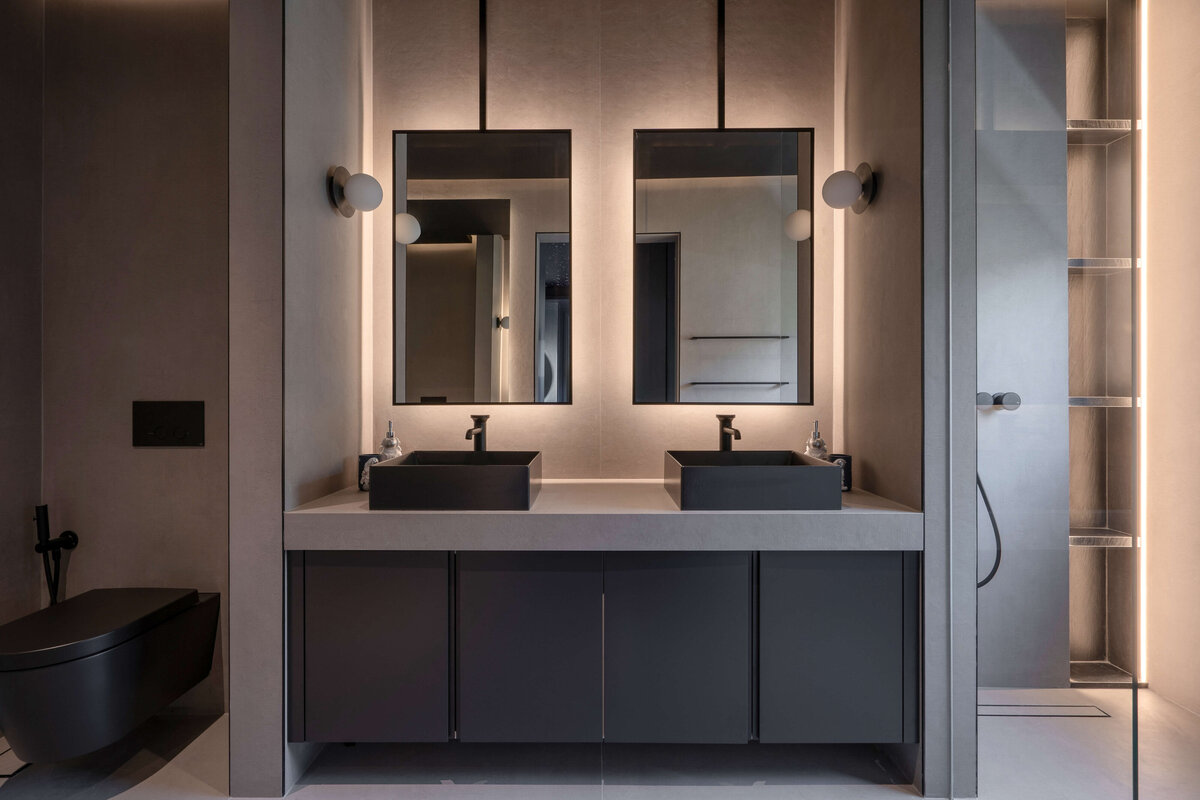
{"x": 1143, "y": 195}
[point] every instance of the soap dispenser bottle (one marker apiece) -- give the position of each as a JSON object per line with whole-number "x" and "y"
{"x": 815, "y": 446}
{"x": 390, "y": 446}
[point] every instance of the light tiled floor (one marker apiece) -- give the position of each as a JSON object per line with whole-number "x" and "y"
{"x": 1056, "y": 758}
{"x": 170, "y": 757}
{"x": 1021, "y": 758}
{"x": 1049, "y": 758}
{"x": 625, "y": 772}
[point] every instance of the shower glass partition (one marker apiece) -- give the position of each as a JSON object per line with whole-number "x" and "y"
{"x": 1056, "y": 193}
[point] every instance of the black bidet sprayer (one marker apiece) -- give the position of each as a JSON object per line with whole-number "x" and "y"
{"x": 51, "y": 548}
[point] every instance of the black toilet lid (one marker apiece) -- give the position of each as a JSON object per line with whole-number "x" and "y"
{"x": 87, "y": 624}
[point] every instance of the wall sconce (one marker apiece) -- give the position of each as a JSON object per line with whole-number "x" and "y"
{"x": 798, "y": 225}
{"x": 349, "y": 193}
{"x": 854, "y": 190}
{"x": 408, "y": 230}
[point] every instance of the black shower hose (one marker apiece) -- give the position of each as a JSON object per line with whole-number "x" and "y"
{"x": 995, "y": 532}
{"x": 51, "y": 582}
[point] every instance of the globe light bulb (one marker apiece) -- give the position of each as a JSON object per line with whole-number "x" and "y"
{"x": 798, "y": 225}
{"x": 841, "y": 189}
{"x": 408, "y": 230}
{"x": 363, "y": 192}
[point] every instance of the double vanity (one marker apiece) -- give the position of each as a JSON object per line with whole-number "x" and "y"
{"x": 720, "y": 480}
{"x": 740, "y": 597}
{"x": 469, "y": 599}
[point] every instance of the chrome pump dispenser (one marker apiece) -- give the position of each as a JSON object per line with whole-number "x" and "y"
{"x": 815, "y": 446}
{"x": 390, "y": 446}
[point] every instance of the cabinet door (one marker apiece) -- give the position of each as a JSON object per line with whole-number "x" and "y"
{"x": 376, "y": 645}
{"x": 529, "y": 647}
{"x": 837, "y": 647}
{"x": 677, "y": 647}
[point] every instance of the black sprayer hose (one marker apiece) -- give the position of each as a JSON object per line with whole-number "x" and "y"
{"x": 52, "y": 577}
{"x": 51, "y": 581}
{"x": 995, "y": 532}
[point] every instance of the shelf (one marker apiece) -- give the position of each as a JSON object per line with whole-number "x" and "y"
{"x": 1100, "y": 402}
{"x": 1100, "y": 537}
{"x": 1098, "y": 266}
{"x": 693, "y": 338}
{"x": 1099, "y": 675}
{"x": 737, "y": 383}
{"x": 1096, "y": 131}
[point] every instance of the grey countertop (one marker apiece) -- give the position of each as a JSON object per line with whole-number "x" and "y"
{"x": 602, "y": 515}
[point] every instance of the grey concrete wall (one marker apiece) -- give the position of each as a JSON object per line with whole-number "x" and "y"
{"x": 949, "y": 764}
{"x": 256, "y": 724}
{"x": 322, "y": 249}
{"x": 951, "y": 340}
{"x": 1022, "y": 195}
{"x": 1173, "y": 290}
{"x": 883, "y": 255}
{"x": 135, "y": 290}
{"x": 603, "y": 69}
{"x": 322, "y": 275}
{"x": 20, "y": 303}
{"x": 314, "y": 388}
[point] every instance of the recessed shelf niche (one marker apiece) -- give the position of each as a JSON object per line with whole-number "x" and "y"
{"x": 1100, "y": 281}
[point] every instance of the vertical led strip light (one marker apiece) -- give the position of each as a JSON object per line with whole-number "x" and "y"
{"x": 1143, "y": 195}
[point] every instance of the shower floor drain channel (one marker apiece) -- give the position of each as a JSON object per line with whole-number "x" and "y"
{"x": 1039, "y": 710}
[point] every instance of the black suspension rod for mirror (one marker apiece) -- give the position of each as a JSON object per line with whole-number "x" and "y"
{"x": 721, "y": 64}
{"x": 482, "y": 65}
{"x": 739, "y": 337}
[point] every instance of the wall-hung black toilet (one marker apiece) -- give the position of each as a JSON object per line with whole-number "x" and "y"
{"x": 81, "y": 674}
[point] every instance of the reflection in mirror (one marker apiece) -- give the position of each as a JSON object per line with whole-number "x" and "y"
{"x": 553, "y": 316}
{"x": 482, "y": 298}
{"x": 722, "y": 295}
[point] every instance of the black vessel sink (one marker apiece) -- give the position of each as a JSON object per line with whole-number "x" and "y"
{"x": 457, "y": 480}
{"x": 751, "y": 480}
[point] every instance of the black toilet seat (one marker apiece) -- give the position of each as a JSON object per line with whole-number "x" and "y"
{"x": 79, "y": 675}
{"x": 87, "y": 624}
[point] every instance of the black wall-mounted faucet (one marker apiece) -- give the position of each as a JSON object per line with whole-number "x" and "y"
{"x": 479, "y": 432}
{"x": 49, "y": 549}
{"x": 728, "y": 432}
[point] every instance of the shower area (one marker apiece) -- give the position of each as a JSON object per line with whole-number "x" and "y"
{"x": 1057, "y": 426}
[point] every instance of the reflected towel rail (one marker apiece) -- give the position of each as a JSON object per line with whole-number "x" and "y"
{"x": 738, "y": 383}
{"x": 739, "y": 337}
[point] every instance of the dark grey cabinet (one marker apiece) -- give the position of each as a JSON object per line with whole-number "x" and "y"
{"x": 677, "y": 647}
{"x": 655, "y": 647}
{"x": 838, "y": 647}
{"x": 376, "y": 645}
{"x": 529, "y": 647}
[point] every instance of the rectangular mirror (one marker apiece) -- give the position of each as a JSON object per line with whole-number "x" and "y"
{"x": 482, "y": 296}
{"x": 722, "y": 291}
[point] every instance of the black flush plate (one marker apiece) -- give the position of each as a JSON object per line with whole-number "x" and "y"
{"x": 168, "y": 423}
